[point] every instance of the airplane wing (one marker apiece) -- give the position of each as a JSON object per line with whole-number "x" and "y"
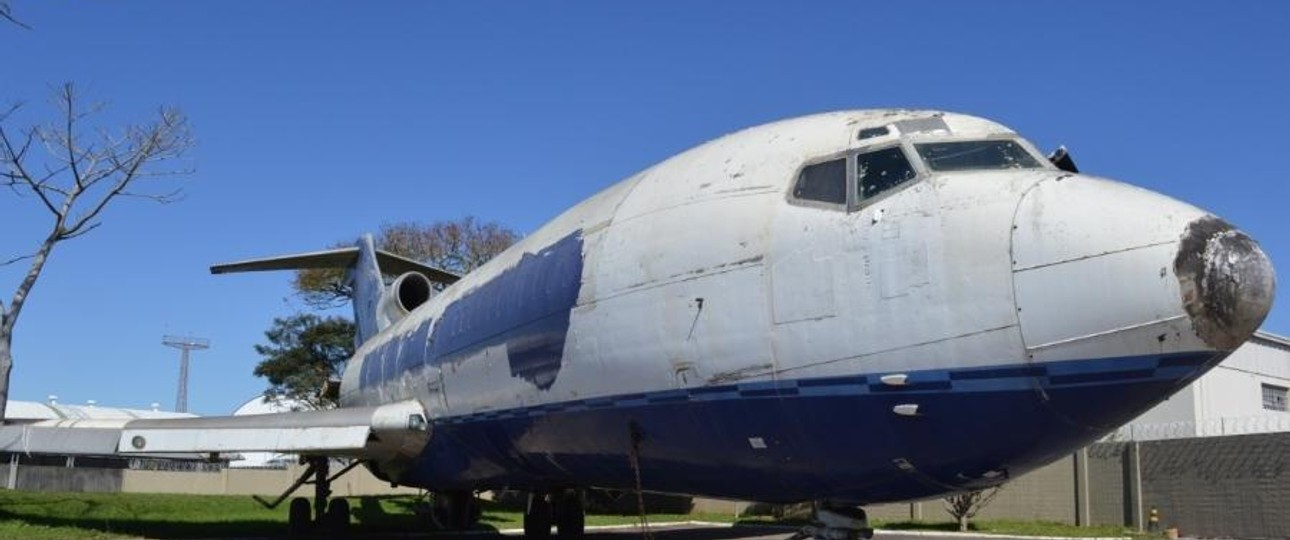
{"x": 377, "y": 432}
{"x": 81, "y": 437}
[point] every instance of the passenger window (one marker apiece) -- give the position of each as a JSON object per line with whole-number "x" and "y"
{"x": 881, "y": 170}
{"x": 823, "y": 182}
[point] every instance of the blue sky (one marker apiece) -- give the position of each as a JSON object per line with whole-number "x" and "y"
{"x": 319, "y": 120}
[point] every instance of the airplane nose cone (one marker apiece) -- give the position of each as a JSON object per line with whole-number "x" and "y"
{"x": 1103, "y": 269}
{"x": 1226, "y": 280}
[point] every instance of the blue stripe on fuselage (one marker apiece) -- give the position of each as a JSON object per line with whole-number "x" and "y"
{"x": 1054, "y": 375}
{"x": 834, "y": 437}
{"x": 526, "y": 308}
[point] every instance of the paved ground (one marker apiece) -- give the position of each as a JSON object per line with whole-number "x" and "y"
{"x": 676, "y": 532}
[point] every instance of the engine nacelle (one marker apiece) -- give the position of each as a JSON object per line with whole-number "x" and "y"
{"x": 404, "y": 295}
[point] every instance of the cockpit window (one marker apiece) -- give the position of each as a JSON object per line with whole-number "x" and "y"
{"x": 976, "y": 155}
{"x": 823, "y": 182}
{"x": 881, "y": 170}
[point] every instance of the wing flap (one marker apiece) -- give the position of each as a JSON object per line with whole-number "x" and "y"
{"x": 397, "y": 430}
{"x": 59, "y": 437}
{"x": 362, "y": 432}
{"x": 335, "y": 440}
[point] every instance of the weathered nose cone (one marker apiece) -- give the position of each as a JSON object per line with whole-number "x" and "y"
{"x": 1226, "y": 280}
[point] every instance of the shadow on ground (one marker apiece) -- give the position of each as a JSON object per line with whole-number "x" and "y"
{"x": 369, "y": 518}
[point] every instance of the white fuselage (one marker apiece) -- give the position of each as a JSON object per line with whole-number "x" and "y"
{"x": 706, "y": 270}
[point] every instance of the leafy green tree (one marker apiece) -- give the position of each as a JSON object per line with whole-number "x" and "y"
{"x": 303, "y": 353}
{"x": 457, "y": 246}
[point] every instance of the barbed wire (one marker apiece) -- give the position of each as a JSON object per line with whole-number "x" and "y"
{"x": 1214, "y": 427}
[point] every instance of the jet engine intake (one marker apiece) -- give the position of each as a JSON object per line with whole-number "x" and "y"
{"x": 408, "y": 291}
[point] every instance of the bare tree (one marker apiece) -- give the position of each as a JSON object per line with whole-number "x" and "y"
{"x": 965, "y": 506}
{"x": 7, "y": 14}
{"x": 457, "y": 246}
{"x": 75, "y": 177}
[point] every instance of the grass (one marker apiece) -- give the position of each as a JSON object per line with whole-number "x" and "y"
{"x": 103, "y": 516}
{"x": 111, "y": 515}
{"x": 100, "y": 516}
{"x": 1015, "y": 527}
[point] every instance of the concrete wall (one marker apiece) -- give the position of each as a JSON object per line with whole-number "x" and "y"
{"x": 267, "y": 482}
{"x": 1235, "y": 486}
{"x": 1046, "y": 494}
{"x": 1110, "y": 497}
{"x": 47, "y": 478}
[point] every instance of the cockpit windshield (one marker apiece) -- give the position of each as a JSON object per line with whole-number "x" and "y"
{"x": 976, "y": 155}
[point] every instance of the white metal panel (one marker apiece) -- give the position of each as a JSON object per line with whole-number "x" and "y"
{"x": 664, "y": 336}
{"x": 1094, "y": 270}
{"x": 803, "y": 286}
{"x": 1097, "y": 295}
{"x": 925, "y": 269}
{"x": 1065, "y": 220}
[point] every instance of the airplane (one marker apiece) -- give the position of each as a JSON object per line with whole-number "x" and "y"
{"x": 846, "y": 308}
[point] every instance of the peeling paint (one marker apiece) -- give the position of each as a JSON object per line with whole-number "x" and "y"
{"x": 1226, "y": 281}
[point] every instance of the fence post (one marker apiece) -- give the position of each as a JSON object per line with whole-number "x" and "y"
{"x": 1133, "y": 484}
{"x": 1082, "y": 513}
{"x": 13, "y": 472}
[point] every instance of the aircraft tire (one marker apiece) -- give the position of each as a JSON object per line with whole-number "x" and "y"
{"x": 537, "y": 518}
{"x": 299, "y": 518}
{"x": 570, "y": 515}
{"x": 338, "y": 517}
{"x": 456, "y": 510}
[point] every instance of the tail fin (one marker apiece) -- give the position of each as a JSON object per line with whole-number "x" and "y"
{"x": 368, "y": 287}
{"x": 365, "y": 269}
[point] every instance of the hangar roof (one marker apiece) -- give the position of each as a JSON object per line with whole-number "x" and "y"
{"x": 31, "y": 411}
{"x": 1274, "y": 340}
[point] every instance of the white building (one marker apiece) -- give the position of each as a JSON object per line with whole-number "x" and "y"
{"x": 1247, "y": 393}
{"x": 265, "y": 460}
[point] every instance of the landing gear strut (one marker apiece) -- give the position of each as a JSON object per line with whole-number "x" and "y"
{"x": 836, "y": 522}
{"x": 565, "y": 509}
{"x": 455, "y": 510}
{"x": 326, "y": 517}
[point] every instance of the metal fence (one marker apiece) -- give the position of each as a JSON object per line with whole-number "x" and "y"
{"x": 1214, "y": 427}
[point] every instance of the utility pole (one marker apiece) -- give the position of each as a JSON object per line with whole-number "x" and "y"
{"x": 184, "y": 344}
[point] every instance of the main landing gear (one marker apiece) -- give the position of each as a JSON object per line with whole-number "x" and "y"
{"x": 324, "y": 518}
{"x": 455, "y": 510}
{"x": 836, "y": 522}
{"x": 565, "y": 509}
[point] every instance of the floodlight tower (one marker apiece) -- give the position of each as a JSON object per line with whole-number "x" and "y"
{"x": 184, "y": 344}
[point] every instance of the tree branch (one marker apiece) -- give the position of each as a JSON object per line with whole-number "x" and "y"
{"x": 7, "y": 15}
{"x": 16, "y": 259}
{"x": 18, "y": 172}
{"x": 69, "y": 138}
